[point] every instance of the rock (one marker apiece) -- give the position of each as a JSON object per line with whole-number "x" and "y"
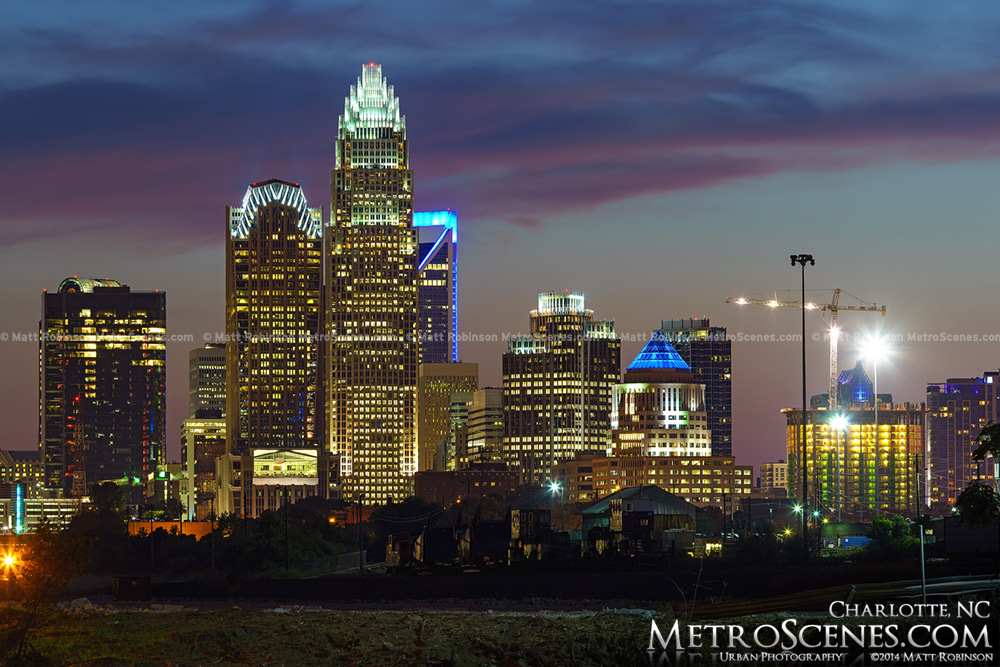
{"x": 79, "y": 602}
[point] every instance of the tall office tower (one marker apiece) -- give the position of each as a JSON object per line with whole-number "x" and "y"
{"x": 103, "y": 383}
{"x": 435, "y": 385}
{"x": 709, "y": 353}
{"x": 438, "y": 287}
{"x": 371, "y": 302}
{"x": 203, "y": 441}
{"x": 273, "y": 408}
{"x": 484, "y": 443}
{"x": 959, "y": 409}
{"x": 660, "y": 434}
{"x": 557, "y": 386}
{"x": 274, "y": 261}
{"x": 207, "y": 378}
{"x": 844, "y": 476}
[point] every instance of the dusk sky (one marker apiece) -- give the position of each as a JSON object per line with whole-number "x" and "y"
{"x": 658, "y": 157}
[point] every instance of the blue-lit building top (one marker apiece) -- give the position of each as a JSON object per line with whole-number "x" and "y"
{"x": 438, "y": 292}
{"x": 659, "y": 354}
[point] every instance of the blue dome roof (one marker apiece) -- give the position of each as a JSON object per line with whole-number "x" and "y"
{"x": 659, "y": 354}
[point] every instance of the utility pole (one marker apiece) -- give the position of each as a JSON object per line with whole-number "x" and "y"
{"x": 801, "y": 261}
{"x": 361, "y": 550}
{"x": 286, "y": 530}
{"x": 212, "y": 517}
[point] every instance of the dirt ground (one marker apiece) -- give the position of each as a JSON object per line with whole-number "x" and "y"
{"x": 86, "y": 633}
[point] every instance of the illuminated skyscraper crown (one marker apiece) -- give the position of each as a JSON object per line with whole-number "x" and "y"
{"x": 283, "y": 192}
{"x": 560, "y": 303}
{"x": 372, "y": 110}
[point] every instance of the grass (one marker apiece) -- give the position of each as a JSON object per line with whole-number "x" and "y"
{"x": 237, "y": 636}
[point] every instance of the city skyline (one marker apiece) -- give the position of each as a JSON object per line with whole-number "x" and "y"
{"x": 864, "y": 169}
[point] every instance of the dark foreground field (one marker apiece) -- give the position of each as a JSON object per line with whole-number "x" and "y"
{"x": 313, "y": 637}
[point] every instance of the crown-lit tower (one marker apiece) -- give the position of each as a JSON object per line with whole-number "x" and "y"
{"x": 371, "y": 297}
{"x": 272, "y": 318}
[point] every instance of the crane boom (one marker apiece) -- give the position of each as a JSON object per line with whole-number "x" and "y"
{"x": 833, "y": 308}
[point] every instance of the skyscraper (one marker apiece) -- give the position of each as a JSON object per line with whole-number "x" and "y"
{"x": 273, "y": 296}
{"x": 709, "y": 353}
{"x": 207, "y": 378}
{"x": 371, "y": 303}
{"x": 435, "y": 385}
{"x": 557, "y": 386}
{"x": 958, "y": 410}
{"x": 438, "y": 288}
{"x": 103, "y": 384}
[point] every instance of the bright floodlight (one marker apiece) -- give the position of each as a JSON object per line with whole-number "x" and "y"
{"x": 554, "y": 486}
{"x": 874, "y": 348}
{"x": 8, "y": 561}
{"x": 840, "y": 423}
{"x": 816, "y": 513}
{"x": 797, "y": 509}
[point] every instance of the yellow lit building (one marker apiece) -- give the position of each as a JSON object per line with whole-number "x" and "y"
{"x": 851, "y": 472}
{"x": 660, "y": 434}
{"x": 273, "y": 295}
{"x": 557, "y": 386}
{"x": 435, "y": 385}
{"x": 372, "y": 253}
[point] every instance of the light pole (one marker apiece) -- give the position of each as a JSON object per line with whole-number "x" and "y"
{"x": 553, "y": 487}
{"x": 801, "y": 260}
{"x": 839, "y": 424}
{"x": 874, "y": 349}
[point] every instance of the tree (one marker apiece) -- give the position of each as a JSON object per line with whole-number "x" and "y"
{"x": 979, "y": 504}
{"x": 108, "y": 496}
{"x": 890, "y": 539}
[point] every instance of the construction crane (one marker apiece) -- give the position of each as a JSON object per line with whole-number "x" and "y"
{"x": 833, "y": 308}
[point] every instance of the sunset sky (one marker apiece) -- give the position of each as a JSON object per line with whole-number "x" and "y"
{"x": 657, "y": 156}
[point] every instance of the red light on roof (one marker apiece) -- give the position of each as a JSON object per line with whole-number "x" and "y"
{"x": 296, "y": 185}
{"x": 253, "y": 185}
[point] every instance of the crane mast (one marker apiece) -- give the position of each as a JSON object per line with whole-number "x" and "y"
{"x": 833, "y": 308}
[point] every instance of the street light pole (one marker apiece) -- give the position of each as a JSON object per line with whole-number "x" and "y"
{"x": 801, "y": 260}
{"x": 878, "y": 448}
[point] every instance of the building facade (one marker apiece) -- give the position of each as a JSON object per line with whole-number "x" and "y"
{"x": 850, "y": 472}
{"x": 371, "y": 306}
{"x": 438, "y": 286}
{"x": 709, "y": 353}
{"x": 103, "y": 384}
{"x": 273, "y": 323}
{"x": 660, "y": 434}
{"x": 557, "y": 385}
{"x": 773, "y": 475}
{"x": 25, "y": 467}
{"x": 207, "y": 378}
{"x": 203, "y": 441}
{"x": 958, "y": 410}
{"x": 274, "y": 261}
{"x": 435, "y": 385}
{"x": 484, "y": 441}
